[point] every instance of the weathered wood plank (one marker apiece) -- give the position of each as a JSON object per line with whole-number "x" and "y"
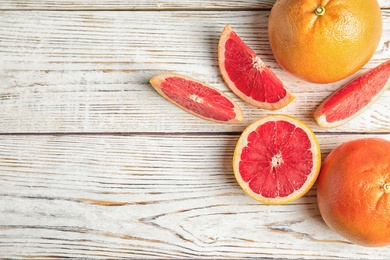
{"x": 150, "y": 196}
{"x": 143, "y": 5}
{"x": 89, "y": 71}
{"x": 74, "y": 69}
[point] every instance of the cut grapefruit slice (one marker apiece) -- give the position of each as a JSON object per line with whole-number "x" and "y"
{"x": 354, "y": 97}
{"x": 197, "y": 98}
{"x": 277, "y": 159}
{"x": 247, "y": 75}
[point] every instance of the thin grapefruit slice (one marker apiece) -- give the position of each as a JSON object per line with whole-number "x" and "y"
{"x": 197, "y": 98}
{"x": 353, "y": 98}
{"x": 247, "y": 75}
{"x": 277, "y": 159}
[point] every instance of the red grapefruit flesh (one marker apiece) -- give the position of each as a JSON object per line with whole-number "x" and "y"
{"x": 197, "y": 98}
{"x": 354, "y": 97}
{"x": 277, "y": 159}
{"x": 247, "y": 75}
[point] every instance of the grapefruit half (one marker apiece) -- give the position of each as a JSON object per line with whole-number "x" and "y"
{"x": 247, "y": 75}
{"x": 197, "y": 98}
{"x": 277, "y": 159}
{"x": 353, "y": 98}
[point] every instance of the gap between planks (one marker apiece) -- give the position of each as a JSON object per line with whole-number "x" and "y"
{"x": 154, "y": 9}
{"x": 170, "y": 134}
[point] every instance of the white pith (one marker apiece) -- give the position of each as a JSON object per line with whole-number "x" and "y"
{"x": 196, "y": 98}
{"x": 258, "y": 63}
{"x": 277, "y": 160}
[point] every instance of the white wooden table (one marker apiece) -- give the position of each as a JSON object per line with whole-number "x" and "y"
{"x": 94, "y": 163}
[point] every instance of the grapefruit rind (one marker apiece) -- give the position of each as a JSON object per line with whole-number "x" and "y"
{"x": 324, "y": 48}
{"x": 311, "y": 178}
{"x": 287, "y": 99}
{"x": 351, "y": 191}
{"x": 157, "y": 81}
{"x": 321, "y": 116}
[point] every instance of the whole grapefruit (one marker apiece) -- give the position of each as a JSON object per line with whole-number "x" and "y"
{"x": 324, "y": 41}
{"x": 353, "y": 191}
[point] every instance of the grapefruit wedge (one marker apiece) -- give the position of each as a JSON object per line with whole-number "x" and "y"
{"x": 277, "y": 159}
{"x": 353, "y": 98}
{"x": 197, "y": 98}
{"x": 247, "y": 75}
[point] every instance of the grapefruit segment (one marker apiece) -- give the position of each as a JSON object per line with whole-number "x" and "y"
{"x": 354, "y": 97}
{"x": 197, "y": 98}
{"x": 277, "y": 159}
{"x": 248, "y": 76}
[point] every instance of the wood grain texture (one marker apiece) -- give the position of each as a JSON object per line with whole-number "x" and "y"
{"x": 88, "y": 71}
{"x": 143, "y": 5}
{"x": 95, "y": 164}
{"x": 156, "y": 196}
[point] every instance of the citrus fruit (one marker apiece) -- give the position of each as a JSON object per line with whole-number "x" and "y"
{"x": 324, "y": 41}
{"x": 197, "y": 98}
{"x": 354, "y": 97}
{"x": 353, "y": 191}
{"x": 277, "y": 159}
{"x": 247, "y": 75}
